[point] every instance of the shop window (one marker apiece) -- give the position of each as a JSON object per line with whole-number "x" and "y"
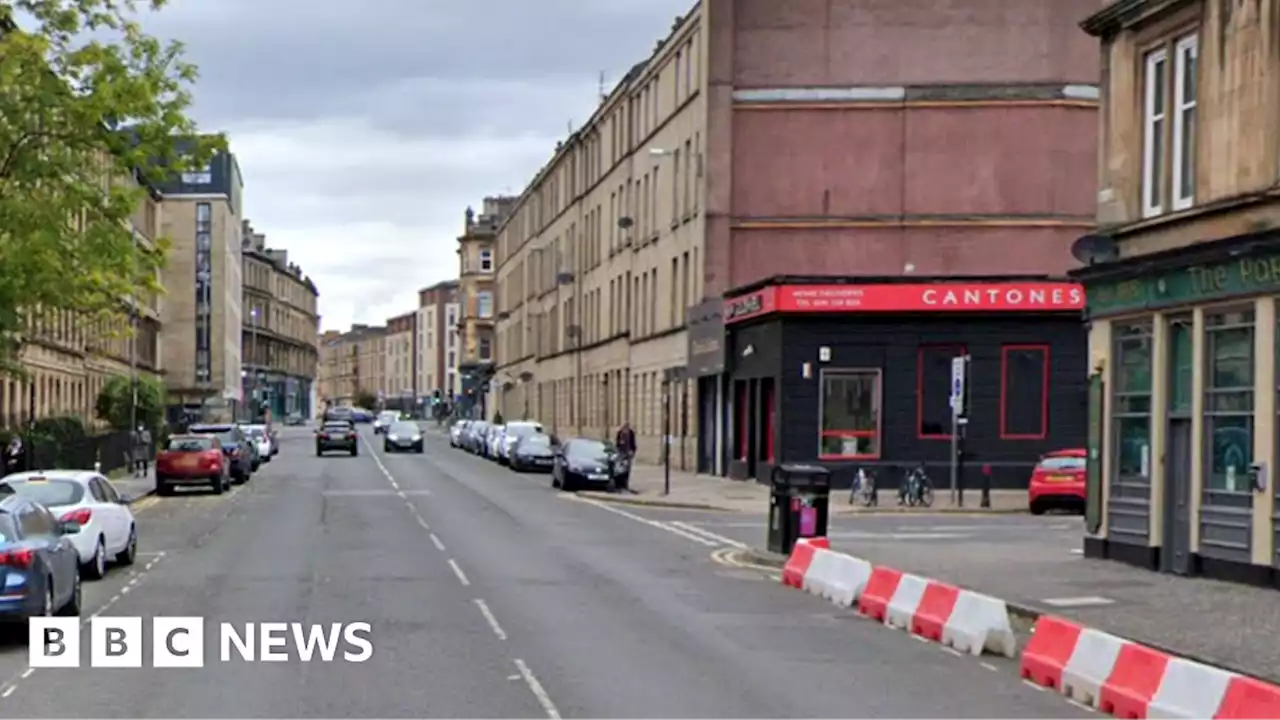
{"x": 1181, "y": 364}
{"x": 933, "y": 390}
{"x": 1131, "y": 403}
{"x": 850, "y": 415}
{"x": 1024, "y": 392}
{"x": 1229, "y": 399}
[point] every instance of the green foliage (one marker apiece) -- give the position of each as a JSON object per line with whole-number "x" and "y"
{"x": 365, "y": 399}
{"x": 114, "y": 402}
{"x": 88, "y": 103}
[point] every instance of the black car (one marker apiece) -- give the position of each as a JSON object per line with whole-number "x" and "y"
{"x": 581, "y": 463}
{"x": 533, "y": 451}
{"x": 241, "y": 451}
{"x": 39, "y": 563}
{"x": 337, "y": 435}
{"x": 402, "y": 435}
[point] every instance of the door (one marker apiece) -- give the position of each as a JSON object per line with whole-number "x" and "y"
{"x": 708, "y": 391}
{"x": 1176, "y": 557}
{"x": 114, "y": 512}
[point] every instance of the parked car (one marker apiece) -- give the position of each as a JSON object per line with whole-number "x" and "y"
{"x": 193, "y": 460}
{"x": 456, "y": 432}
{"x": 39, "y": 562}
{"x": 295, "y": 420}
{"x": 362, "y": 416}
{"x": 403, "y": 435}
{"x": 337, "y": 435}
{"x": 581, "y": 462}
{"x": 533, "y": 451}
{"x": 261, "y": 439}
{"x": 242, "y": 454}
{"x": 493, "y": 441}
{"x": 477, "y": 431}
{"x": 511, "y": 434}
{"x": 108, "y": 532}
{"x": 385, "y": 420}
{"x": 1058, "y": 482}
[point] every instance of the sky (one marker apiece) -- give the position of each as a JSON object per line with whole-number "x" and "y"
{"x": 365, "y": 130}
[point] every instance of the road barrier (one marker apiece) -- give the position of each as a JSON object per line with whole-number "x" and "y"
{"x": 1118, "y": 677}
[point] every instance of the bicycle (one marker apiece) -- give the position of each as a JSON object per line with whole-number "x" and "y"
{"x": 917, "y": 488}
{"x": 864, "y": 489}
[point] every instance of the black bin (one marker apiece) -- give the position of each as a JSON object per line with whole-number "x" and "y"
{"x": 798, "y": 500}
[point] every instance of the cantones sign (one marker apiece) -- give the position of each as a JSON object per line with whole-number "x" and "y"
{"x": 920, "y": 297}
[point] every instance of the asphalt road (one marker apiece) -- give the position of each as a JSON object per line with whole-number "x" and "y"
{"x": 490, "y": 595}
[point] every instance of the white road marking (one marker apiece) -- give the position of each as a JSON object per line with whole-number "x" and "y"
{"x": 373, "y": 454}
{"x": 653, "y": 523}
{"x": 8, "y": 691}
{"x": 462, "y": 577}
{"x": 953, "y": 651}
{"x": 919, "y": 638}
{"x": 1077, "y": 551}
{"x": 709, "y": 535}
{"x": 539, "y": 692}
{"x": 401, "y": 494}
{"x": 421, "y": 521}
{"x": 990, "y": 667}
{"x": 493, "y": 621}
{"x": 1071, "y": 602}
{"x": 27, "y": 673}
{"x": 1030, "y": 684}
{"x": 436, "y": 541}
{"x": 373, "y": 493}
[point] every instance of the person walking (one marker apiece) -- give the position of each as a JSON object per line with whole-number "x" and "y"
{"x": 625, "y": 442}
{"x": 141, "y": 452}
{"x": 15, "y": 455}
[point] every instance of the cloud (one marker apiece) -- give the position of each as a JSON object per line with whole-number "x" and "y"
{"x": 364, "y": 131}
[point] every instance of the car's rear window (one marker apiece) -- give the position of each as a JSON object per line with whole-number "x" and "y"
{"x": 1063, "y": 463}
{"x": 190, "y": 444}
{"x": 226, "y": 434}
{"x": 337, "y": 427}
{"x": 48, "y": 492}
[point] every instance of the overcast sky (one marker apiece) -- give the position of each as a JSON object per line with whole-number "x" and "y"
{"x": 364, "y": 130}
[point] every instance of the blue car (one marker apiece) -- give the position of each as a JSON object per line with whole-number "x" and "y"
{"x": 39, "y": 567}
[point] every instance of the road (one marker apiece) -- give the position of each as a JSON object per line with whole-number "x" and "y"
{"x": 490, "y": 595}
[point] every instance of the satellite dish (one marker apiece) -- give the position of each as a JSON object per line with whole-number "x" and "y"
{"x": 1094, "y": 249}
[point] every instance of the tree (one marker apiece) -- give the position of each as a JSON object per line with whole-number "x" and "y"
{"x": 365, "y": 399}
{"x": 115, "y": 401}
{"x": 90, "y": 109}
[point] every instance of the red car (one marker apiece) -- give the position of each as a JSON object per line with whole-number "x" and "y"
{"x": 1058, "y": 482}
{"x": 192, "y": 460}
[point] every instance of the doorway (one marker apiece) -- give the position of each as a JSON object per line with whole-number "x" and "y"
{"x": 1175, "y": 557}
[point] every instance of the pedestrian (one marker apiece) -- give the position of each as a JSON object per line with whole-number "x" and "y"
{"x": 625, "y": 442}
{"x": 15, "y": 455}
{"x": 141, "y": 451}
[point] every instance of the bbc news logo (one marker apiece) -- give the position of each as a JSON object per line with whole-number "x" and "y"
{"x": 179, "y": 642}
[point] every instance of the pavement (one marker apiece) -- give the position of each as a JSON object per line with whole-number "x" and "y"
{"x": 489, "y": 595}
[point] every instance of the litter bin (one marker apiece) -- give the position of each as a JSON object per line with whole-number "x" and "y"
{"x": 797, "y": 505}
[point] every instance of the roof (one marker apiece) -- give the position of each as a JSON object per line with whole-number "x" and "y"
{"x": 76, "y": 475}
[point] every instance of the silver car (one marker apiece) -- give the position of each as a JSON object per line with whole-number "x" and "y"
{"x": 493, "y": 442}
{"x": 511, "y": 436}
{"x": 457, "y": 432}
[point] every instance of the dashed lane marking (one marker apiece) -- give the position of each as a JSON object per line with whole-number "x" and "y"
{"x": 492, "y": 620}
{"x": 538, "y": 691}
{"x": 436, "y": 541}
{"x": 421, "y": 520}
{"x": 457, "y": 570}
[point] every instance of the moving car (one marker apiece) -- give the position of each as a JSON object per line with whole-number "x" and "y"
{"x": 456, "y": 432}
{"x": 403, "y": 435}
{"x": 261, "y": 438}
{"x": 1058, "y": 482}
{"x": 511, "y": 435}
{"x": 337, "y": 435}
{"x": 533, "y": 451}
{"x": 580, "y": 463}
{"x": 361, "y": 416}
{"x": 193, "y": 460}
{"x": 108, "y": 532}
{"x": 242, "y": 454}
{"x": 339, "y": 413}
{"x": 384, "y": 420}
{"x": 38, "y": 563}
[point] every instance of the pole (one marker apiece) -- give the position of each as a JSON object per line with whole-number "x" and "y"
{"x": 666, "y": 435}
{"x": 955, "y": 447}
{"x": 133, "y": 339}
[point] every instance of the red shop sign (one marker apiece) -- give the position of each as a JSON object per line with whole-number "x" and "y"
{"x": 919, "y": 297}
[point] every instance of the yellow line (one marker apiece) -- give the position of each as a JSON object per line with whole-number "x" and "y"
{"x": 144, "y": 503}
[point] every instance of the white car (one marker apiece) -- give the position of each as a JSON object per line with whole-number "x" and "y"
{"x": 511, "y": 434}
{"x": 261, "y": 438}
{"x": 108, "y": 532}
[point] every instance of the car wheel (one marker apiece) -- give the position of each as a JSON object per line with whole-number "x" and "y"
{"x": 130, "y": 552}
{"x": 1036, "y": 508}
{"x": 96, "y": 568}
{"x": 164, "y": 489}
{"x": 418, "y": 449}
{"x": 219, "y": 486}
{"x": 319, "y": 452}
{"x": 386, "y": 447}
{"x": 47, "y": 609}
{"x": 72, "y": 608}
{"x": 355, "y": 452}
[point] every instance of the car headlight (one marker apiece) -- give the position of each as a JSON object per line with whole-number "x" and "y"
{"x": 416, "y": 438}
{"x": 392, "y": 438}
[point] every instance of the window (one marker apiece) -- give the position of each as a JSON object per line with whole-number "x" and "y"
{"x": 1184, "y": 122}
{"x": 486, "y": 348}
{"x": 1228, "y": 402}
{"x": 1131, "y": 411}
{"x": 203, "y": 177}
{"x": 1153, "y": 131}
{"x": 933, "y": 390}
{"x": 484, "y": 304}
{"x": 850, "y": 415}
{"x": 1024, "y": 392}
{"x": 486, "y": 261}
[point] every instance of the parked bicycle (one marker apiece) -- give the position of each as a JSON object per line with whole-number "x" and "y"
{"x": 916, "y": 488}
{"x": 864, "y": 489}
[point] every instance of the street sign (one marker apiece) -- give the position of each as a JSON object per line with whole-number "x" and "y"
{"x": 957, "y": 382}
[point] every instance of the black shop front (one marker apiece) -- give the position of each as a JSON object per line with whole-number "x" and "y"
{"x": 859, "y": 374}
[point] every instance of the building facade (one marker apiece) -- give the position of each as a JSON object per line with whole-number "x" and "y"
{"x": 477, "y": 312}
{"x": 204, "y": 277}
{"x": 437, "y": 315}
{"x": 279, "y": 334}
{"x": 69, "y": 359}
{"x": 354, "y": 365}
{"x": 400, "y": 346}
{"x": 709, "y": 167}
{"x": 1182, "y": 278}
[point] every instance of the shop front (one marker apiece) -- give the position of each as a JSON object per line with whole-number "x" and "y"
{"x": 1183, "y": 406}
{"x": 859, "y": 374}
{"x": 705, "y": 367}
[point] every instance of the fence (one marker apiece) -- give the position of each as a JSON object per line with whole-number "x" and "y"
{"x": 64, "y": 443}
